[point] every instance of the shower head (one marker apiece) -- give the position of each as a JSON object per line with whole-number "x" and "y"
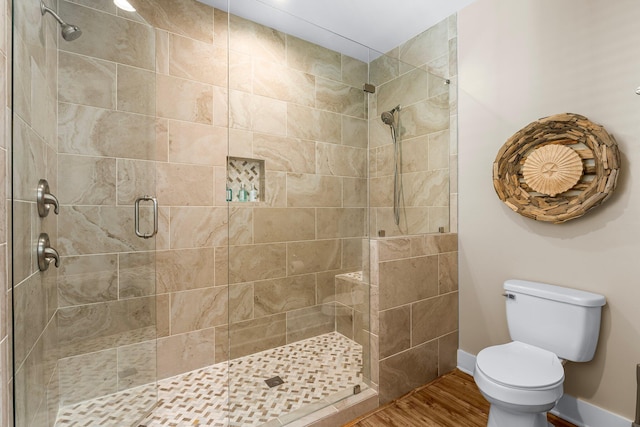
{"x": 388, "y": 117}
{"x": 69, "y": 32}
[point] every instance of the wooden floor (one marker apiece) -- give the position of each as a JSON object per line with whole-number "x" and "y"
{"x": 452, "y": 400}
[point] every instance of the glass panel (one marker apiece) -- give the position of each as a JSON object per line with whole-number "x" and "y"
{"x": 409, "y": 150}
{"x": 84, "y": 120}
{"x": 298, "y": 299}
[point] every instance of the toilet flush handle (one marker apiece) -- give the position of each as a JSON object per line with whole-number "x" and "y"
{"x": 509, "y": 296}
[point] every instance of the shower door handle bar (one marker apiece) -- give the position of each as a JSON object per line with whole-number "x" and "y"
{"x": 136, "y": 214}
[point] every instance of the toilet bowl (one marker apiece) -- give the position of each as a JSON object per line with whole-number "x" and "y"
{"x": 523, "y": 379}
{"x": 522, "y": 383}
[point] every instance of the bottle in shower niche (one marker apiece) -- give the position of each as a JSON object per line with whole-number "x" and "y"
{"x": 243, "y": 194}
{"x": 229, "y": 193}
{"x": 253, "y": 194}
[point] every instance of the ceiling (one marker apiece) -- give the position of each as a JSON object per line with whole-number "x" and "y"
{"x": 347, "y": 26}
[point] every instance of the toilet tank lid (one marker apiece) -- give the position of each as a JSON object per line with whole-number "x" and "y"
{"x": 555, "y": 293}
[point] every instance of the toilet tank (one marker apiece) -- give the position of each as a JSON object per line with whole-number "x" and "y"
{"x": 562, "y": 320}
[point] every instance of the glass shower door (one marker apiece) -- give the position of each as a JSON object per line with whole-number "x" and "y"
{"x": 83, "y": 120}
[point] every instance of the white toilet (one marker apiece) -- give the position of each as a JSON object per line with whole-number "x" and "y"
{"x": 548, "y": 324}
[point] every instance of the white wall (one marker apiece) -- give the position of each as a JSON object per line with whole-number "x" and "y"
{"x": 519, "y": 61}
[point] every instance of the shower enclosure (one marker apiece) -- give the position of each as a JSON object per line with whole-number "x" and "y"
{"x": 178, "y": 298}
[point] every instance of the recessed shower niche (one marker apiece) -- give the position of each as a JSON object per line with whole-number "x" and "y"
{"x": 244, "y": 174}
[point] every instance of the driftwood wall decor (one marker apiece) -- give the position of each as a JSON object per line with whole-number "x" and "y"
{"x": 557, "y": 168}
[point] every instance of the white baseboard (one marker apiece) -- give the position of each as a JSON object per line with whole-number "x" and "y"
{"x": 569, "y": 408}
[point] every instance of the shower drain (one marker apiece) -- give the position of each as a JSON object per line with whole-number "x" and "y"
{"x": 273, "y": 382}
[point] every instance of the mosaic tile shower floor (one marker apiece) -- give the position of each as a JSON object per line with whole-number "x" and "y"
{"x": 317, "y": 372}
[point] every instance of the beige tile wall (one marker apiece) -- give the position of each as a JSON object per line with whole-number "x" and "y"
{"x": 301, "y": 109}
{"x": 35, "y": 157}
{"x": 108, "y": 138}
{"x": 414, "y": 311}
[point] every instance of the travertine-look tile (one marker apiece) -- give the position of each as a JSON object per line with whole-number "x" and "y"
{"x": 184, "y": 99}
{"x": 257, "y": 40}
{"x": 340, "y": 98}
{"x": 111, "y": 228}
{"x": 185, "y": 352}
{"x": 255, "y": 262}
{"x": 395, "y": 248}
{"x": 340, "y": 222}
{"x": 99, "y": 132}
{"x": 354, "y": 132}
{"x": 340, "y": 160}
{"x": 135, "y": 178}
{"x": 257, "y": 113}
{"x": 273, "y": 80}
{"x": 184, "y": 269}
{"x": 310, "y": 123}
{"x": 184, "y": 17}
{"x": 439, "y": 150}
{"x": 382, "y": 69}
{"x": 448, "y": 272}
{"x": 407, "y": 280}
{"x": 136, "y": 364}
{"x": 197, "y": 143}
{"x": 284, "y": 224}
{"x": 198, "y": 309}
{"x": 251, "y": 336}
{"x": 355, "y": 192}
{"x": 285, "y": 154}
{"x": 136, "y": 90}
{"x": 184, "y": 185}
{"x": 428, "y": 45}
{"x": 415, "y": 154}
{"x": 313, "y": 256}
{"x": 283, "y": 295}
{"x": 30, "y": 311}
{"x": 405, "y": 90}
{"x": 304, "y": 190}
{"x": 311, "y": 58}
{"x": 240, "y": 302}
{"x": 193, "y": 227}
{"x": 354, "y": 71}
{"x": 447, "y": 353}
{"x": 210, "y": 66}
{"x": 137, "y": 52}
{"x": 88, "y": 376}
{"x": 408, "y": 370}
{"x": 395, "y": 330}
{"x": 429, "y": 188}
{"x": 87, "y": 279}
{"x": 426, "y": 116}
{"x": 434, "y": 317}
{"x": 93, "y": 178}
{"x": 137, "y": 274}
{"x": 87, "y": 81}
{"x": 310, "y": 322}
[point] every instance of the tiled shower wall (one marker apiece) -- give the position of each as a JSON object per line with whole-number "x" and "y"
{"x": 414, "y": 75}
{"x": 297, "y": 106}
{"x": 414, "y": 311}
{"x": 35, "y": 157}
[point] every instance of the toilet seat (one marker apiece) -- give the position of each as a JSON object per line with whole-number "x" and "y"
{"x": 522, "y": 366}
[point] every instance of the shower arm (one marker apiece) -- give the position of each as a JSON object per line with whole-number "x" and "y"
{"x": 44, "y": 9}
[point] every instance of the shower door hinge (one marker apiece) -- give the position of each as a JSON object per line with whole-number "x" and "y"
{"x": 356, "y": 389}
{"x": 369, "y": 88}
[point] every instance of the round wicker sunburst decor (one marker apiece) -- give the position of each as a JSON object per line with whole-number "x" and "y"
{"x": 557, "y": 168}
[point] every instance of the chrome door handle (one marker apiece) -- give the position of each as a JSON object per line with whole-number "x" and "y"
{"x": 44, "y": 199}
{"x": 46, "y": 254}
{"x": 136, "y": 214}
